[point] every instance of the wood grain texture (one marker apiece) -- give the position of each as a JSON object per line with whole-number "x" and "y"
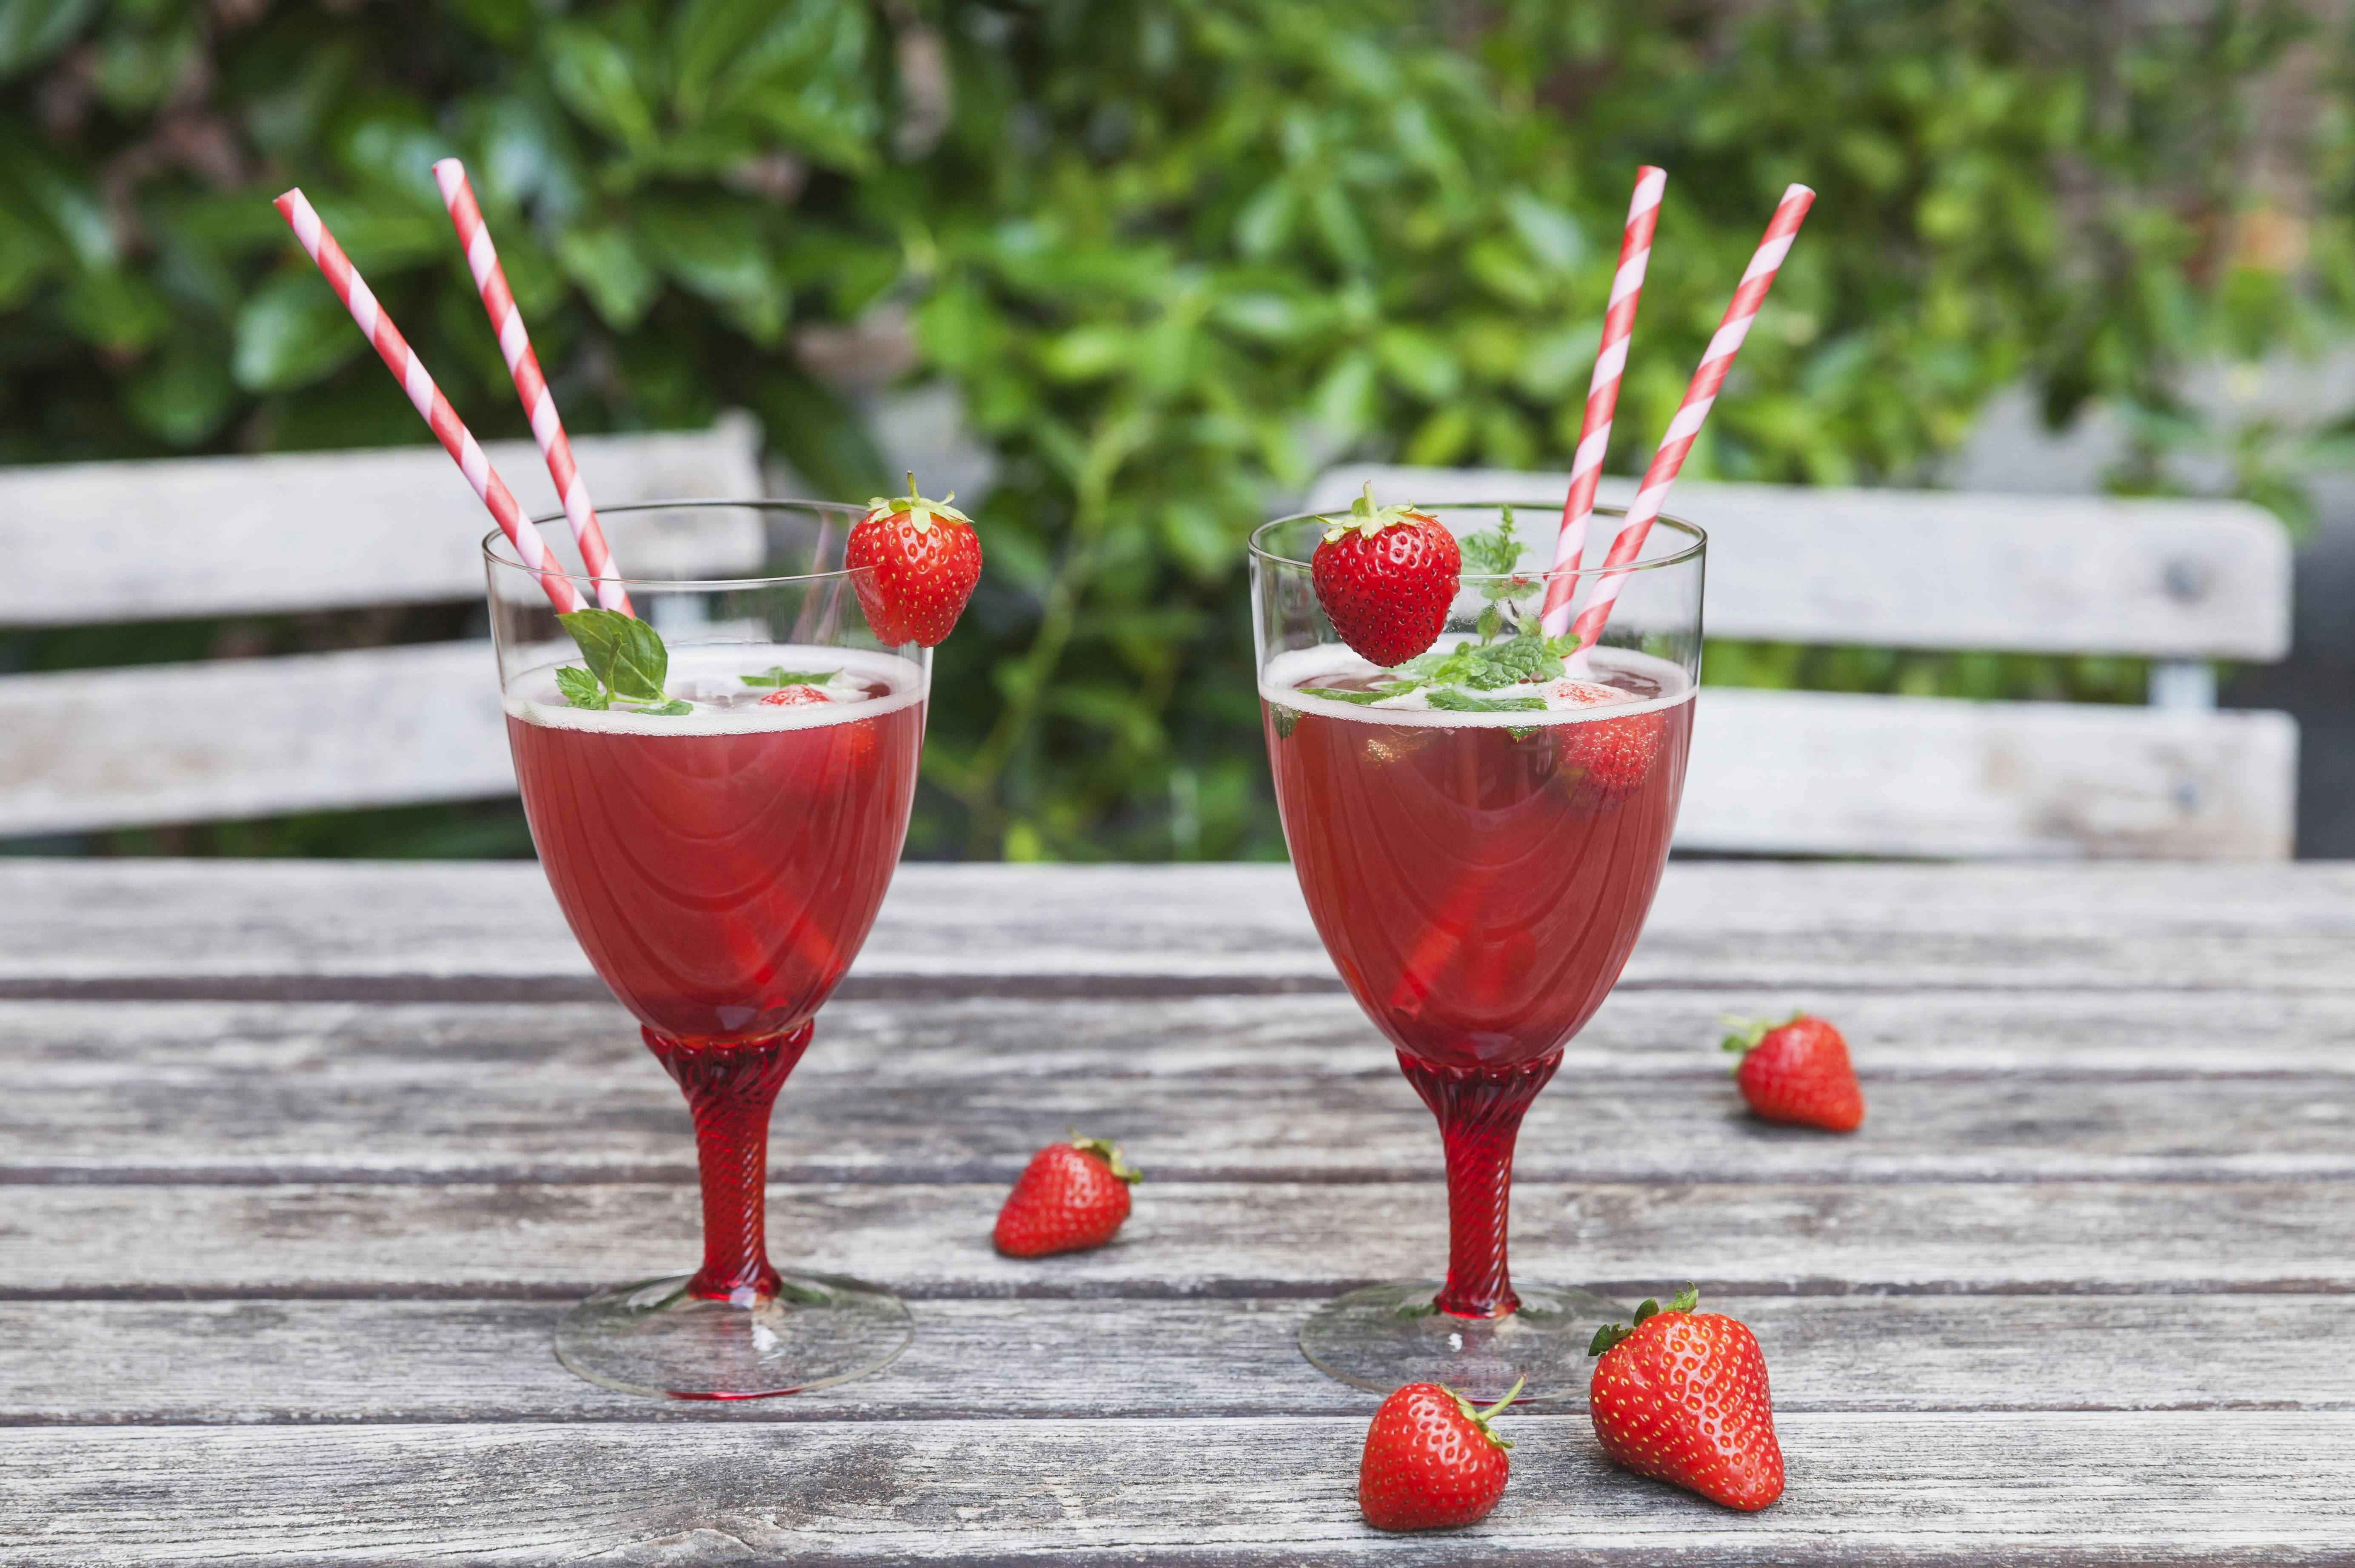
{"x": 211, "y": 536}
{"x": 1186, "y": 1239}
{"x": 115, "y": 747}
{"x": 1772, "y": 929}
{"x": 92, "y": 1363}
{"x": 2161, "y": 1487}
{"x": 2172, "y": 579}
{"x": 1207, "y": 1089}
{"x": 1821, "y": 772}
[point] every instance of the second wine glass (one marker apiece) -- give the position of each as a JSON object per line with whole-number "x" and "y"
{"x": 1478, "y": 843}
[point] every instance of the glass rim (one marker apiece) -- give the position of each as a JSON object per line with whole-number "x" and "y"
{"x": 499, "y": 550}
{"x": 1691, "y": 530}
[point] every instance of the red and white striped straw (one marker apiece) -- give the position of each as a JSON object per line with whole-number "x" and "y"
{"x": 1603, "y": 395}
{"x": 1781, "y": 230}
{"x": 523, "y": 365}
{"x": 410, "y": 371}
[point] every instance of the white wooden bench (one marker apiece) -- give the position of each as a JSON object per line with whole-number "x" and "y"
{"x": 111, "y": 542}
{"x": 2181, "y": 582}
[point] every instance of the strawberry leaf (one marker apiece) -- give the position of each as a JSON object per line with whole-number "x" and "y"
{"x": 1685, "y": 1301}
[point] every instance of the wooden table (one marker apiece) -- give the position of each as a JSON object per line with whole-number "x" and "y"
{"x": 304, "y": 1161}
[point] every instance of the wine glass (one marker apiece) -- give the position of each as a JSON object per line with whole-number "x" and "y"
{"x": 1478, "y": 848}
{"x": 719, "y": 831}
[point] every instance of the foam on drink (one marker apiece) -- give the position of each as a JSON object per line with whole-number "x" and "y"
{"x": 862, "y": 685}
{"x": 1641, "y": 683}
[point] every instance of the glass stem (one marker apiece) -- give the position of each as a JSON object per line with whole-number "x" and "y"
{"x": 1479, "y": 1112}
{"x": 730, "y": 1090}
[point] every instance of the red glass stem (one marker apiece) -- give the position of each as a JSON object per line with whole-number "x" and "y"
{"x": 730, "y": 1090}
{"x": 1479, "y": 1112}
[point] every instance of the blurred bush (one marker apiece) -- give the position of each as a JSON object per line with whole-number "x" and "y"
{"x": 1173, "y": 258}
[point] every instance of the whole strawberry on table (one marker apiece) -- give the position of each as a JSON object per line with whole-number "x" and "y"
{"x": 1798, "y": 1071}
{"x": 1430, "y": 1461}
{"x": 920, "y": 561}
{"x": 1071, "y": 1197}
{"x": 1682, "y": 1396}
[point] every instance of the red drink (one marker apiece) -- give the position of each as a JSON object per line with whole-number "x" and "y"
{"x": 1479, "y": 879}
{"x": 722, "y": 868}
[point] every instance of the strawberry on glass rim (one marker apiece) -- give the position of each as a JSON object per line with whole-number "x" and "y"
{"x": 1386, "y": 576}
{"x": 919, "y": 561}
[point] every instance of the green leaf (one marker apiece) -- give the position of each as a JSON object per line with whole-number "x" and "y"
{"x": 674, "y": 708}
{"x": 606, "y": 262}
{"x": 184, "y": 395}
{"x": 580, "y": 688}
{"x": 1685, "y": 1301}
{"x": 624, "y": 653}
{"x": 291, "y": 333}
{"x": 591, "y": 74}
{"x": 1286, "y": 720}
{"x": 1453, "y": 702}
{"x": 32, "y": 30}
{"x": 777, "y": 675}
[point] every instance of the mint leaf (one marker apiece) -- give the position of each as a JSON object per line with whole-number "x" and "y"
{"x": 777, "y": 675}
{"x": 1286, "y": 719}
{"x": 671, "y": 709}
{"x": 624, "y": 653}
{"x": 580, "y": 688}
{"x": 1453, "y": 702}
{"x": 1341, "y": 694}
{"x": 1492, "y": 552}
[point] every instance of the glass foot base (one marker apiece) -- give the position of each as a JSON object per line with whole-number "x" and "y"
{"x": 653, "y": 1338}
{"x": 1386, "y": 1336}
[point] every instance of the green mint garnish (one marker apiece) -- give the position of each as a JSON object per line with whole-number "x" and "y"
{"x": 580, "y": 688}
{"x": 777, "y": 675}
{"x": 1495, "y": 553}
{"x": 627, "y": 664}
{"x": 1285, "y": 719}
{"x": 1451, "y": 700}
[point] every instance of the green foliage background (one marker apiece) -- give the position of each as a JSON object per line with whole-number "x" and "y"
{"x": 1174, "y": 256}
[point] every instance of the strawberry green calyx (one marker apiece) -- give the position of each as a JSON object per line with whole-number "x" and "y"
{"x": 1747, "y": 1034}
{"x": 1480, "y": 1418}
{"x": 1108, "y": 1151}
{"x": 920, "y": 513}
{"x": 1367, "y": 519}
{"x": 1610, "y": 1334}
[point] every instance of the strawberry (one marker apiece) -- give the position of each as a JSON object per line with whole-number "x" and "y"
{"x": 792, "y": 697}
{"x": 1430, "y": 1461}
{"x": 1071, "y": 1197}
{"x": 1605, "y": 760}
{"x": 1797, "y": 1071}
{"x": 1682, "y": 1397}
{"x": 922, "y": 559}
{"x": 1386, "y": 576}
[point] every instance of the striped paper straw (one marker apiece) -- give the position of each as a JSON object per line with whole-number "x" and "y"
{"x": 523, "y": 365}
{"x": 1781, "y": 230}
{"x": 410, "y": 371}
{"x": 1602, "y": 396}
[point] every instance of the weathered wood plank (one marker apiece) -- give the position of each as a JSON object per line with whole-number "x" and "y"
{"x": 2010, "y": 1487}
{"x": 1822, "y": 772}
{"x": 1187, "y": 1238}
{"x": 209, "y": 536}
{"x": 2176, "y": 579}
{"x": 1201, "y": 1088}
{"x": 189, "y": 742}
{"x": 256, "y": 1363}
{"x": 2107, "y": 927}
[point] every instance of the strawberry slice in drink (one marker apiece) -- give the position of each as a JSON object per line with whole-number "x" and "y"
{"x": 1600, "y": 760}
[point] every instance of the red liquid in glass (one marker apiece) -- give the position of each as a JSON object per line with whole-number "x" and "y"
{"x": 1478, "y": 888}
{"x": 720, "y": 883}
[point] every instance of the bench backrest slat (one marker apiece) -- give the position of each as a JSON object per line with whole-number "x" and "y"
{"x": 89, "y": 542}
